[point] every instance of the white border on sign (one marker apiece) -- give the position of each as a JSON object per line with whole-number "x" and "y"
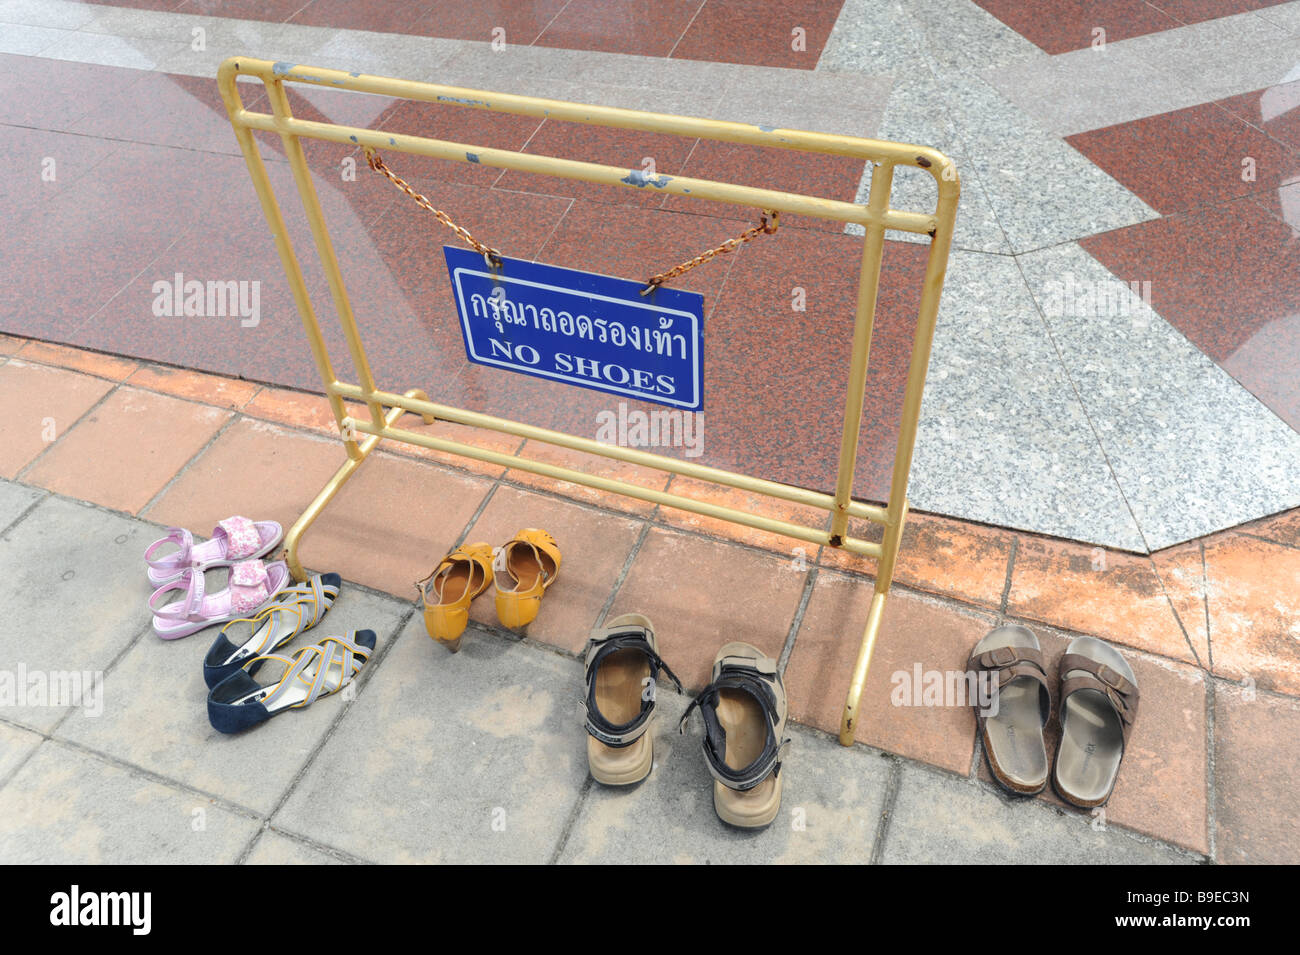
{"x": 584, "y": 382}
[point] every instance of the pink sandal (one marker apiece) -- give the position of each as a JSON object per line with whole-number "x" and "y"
{"x": 234, "y": 539}
{"x": 252, "y": 585}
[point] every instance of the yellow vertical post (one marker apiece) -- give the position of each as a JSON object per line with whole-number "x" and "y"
{"x": 325, "y": 246}
{"x": 882, "y": 180}
{"x": 288, "y": 258}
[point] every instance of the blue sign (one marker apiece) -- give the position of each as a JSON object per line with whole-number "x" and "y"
{"x": 582, "y": 329}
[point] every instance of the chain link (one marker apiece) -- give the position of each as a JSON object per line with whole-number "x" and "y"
{"x": 490, "y": 255}
{"x": 764, "y": 227}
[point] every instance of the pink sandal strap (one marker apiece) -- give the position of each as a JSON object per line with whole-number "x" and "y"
{"x": 248, "y": 586}
{"x": 242, "y": 537}
{"x": 193, "y": 584}
{"x": 179, "y": 536}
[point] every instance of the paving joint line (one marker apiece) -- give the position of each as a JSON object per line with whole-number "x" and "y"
{"x": 572, "y": 821}
{"x": 41, "y": 495}
{"x": 632, "y": 554}
{"x": 787, "y": 648}
{"x": 1011, "y": 567}
{"x": 549, "y": 23}
{"x": 361, "y": 682}
{"x": 168, "y": 782}
{"x": 1178, "y": 619}
{"x": 1205, "y": 603}
{"x": 27, "y": 468}
{"x": 1211, "y": 771}
{"x": 685, "y": 30}
{"x": 890, "y": 803}
{"x": 324, "y": 848}
{"x": 184, "y": 469}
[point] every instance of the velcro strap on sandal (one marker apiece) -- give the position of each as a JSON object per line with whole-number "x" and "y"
{"x": 249, "y": 585}
{"x": 600, "y": 646}
{"x": 1117, "y": 688}
{"x": 738, "y": 674}
{"x": 242, "y": 537}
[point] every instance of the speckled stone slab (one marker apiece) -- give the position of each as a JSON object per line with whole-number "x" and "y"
{"x": 1194, "y": 451}
{"x": 1004, "y": 438}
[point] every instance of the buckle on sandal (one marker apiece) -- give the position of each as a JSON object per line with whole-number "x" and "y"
{"x": 997, "y": 658}
{"x": 1104, "y": 673}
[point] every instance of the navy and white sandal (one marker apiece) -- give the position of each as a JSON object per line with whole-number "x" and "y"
{"x": 320, "y": 669}
{"x": 293, "y": 610}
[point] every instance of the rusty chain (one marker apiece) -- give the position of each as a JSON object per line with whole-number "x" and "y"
{"x": 765, "y": 226}
{"x": 490, "y": 255}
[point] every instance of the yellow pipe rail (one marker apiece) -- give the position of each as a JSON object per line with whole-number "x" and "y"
{"x": 385, "y": 408}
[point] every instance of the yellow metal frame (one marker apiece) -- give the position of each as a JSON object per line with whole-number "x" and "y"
{"x": 385, "y": 407}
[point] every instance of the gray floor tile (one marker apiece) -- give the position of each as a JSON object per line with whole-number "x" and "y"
{"x": 168, "y": 732}
{"x": 135, "y": 53}
{"x": 917, "y": 111}
{"x": 154, "y": 25}
{"x": 1220, "y": 57}
{"x": 960, "y": 35}
{"x": 66, "y": 807}
{"x": 275, "y": 849}
{"x": 1171, "y": 421}
{"x": 15, "y": 499}
{"x": 831, "y": 802}
{"x": 871, "y": 36}
{"x": 468, "y": 757}
{"x": 26, "y": 40}
{"x": 835, "y": 102}
{"x": 78, "y": 574}
{"x": 1285, "y": 15}
{"x": 62, "y": 14}
{"x": 1042, "y": 190}
{"x": 16, "y": 744}
{"x": 942, "y": 820}
{"x": 1003, "y": 438}
{"x": 1090, "y": 88}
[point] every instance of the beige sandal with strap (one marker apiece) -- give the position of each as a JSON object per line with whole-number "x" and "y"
{"x": 525, "y": 568}
{"x": 459, "y": 577}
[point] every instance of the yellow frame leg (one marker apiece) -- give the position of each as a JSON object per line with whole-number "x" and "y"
{"x": 332, "y": 486}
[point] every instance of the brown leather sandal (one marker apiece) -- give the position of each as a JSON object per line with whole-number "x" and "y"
{"x": 1012, "y": 725}
{"x": 1099, "y": 704}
